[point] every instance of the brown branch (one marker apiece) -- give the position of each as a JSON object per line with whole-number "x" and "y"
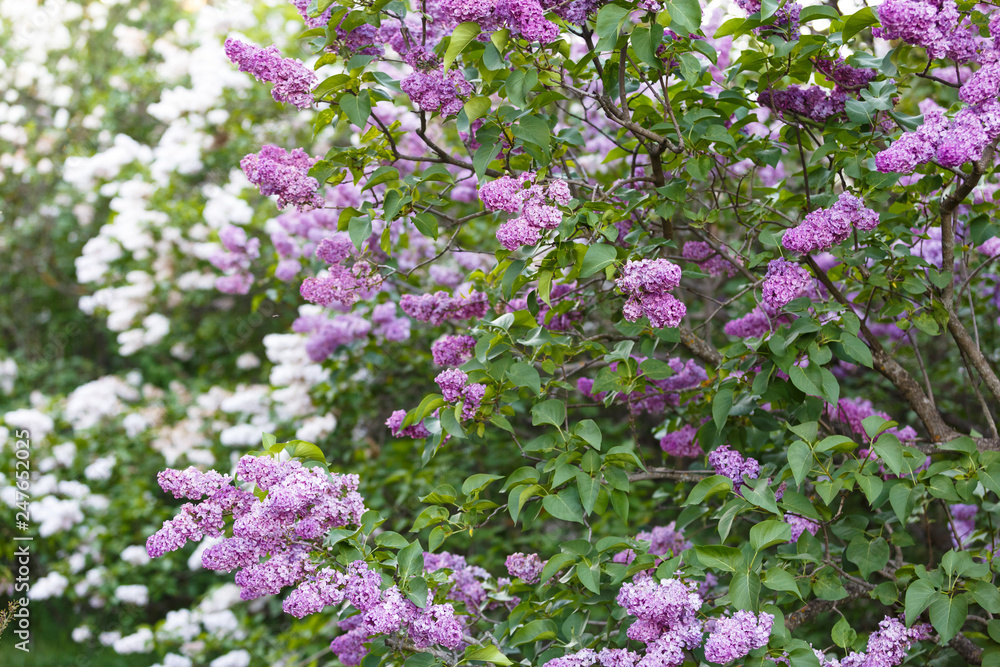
{"x": 667, "y": 473}
{"x": 699, "y": 347}
{"x": 816, "y": 607}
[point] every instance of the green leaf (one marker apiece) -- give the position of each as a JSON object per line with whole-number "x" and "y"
{"x": 535, "y": 631}
{"x": 359, "y": 229}
{"x": 552, "y": 411}
{"x": 357, "y": 108}
{"x": 597, "y": 257}
{"x": 589, "y": 488}
{"x": 590, "y": 432}
{"x": 685, "y": 14}
{"x": 744, "y": 590}
{"x": 391, "y": 540}
{"x": 565, "y": 505}
{"x": 843, "y": 634}
{"x": 985, "y": 594}
{"x": 891, "y": 452}
{"x": 709, "y": 486}
{"x": 902, "y": 500}
{"x": 477, "y": 107}
{"x": 609, "y": 17}
{"x": 533, "y": 130}
{"x": 523, "y": 374}
{"x": 461, "y": 36}
{"x": 426, "y": 224}
{"x": 417, "y": 591}
{"x": 589, "y": 576}
{"x": 990, "y": 477}
{"x": 410, "y": 560}
{"x": 800, "y": 460}
{"x": 488, "y": 653}
{"x": 856, "y": 349}
{"x": 858, "y": 22}
{"x": 778, "y": 579}
{"x": 420, "y": 660}
{"x": 802, "y": 382}
{"x": 301, "y": 449}
{"x": 719, "y": 557}
{"x": 769, "y": 533}
{"x": 948, "y": 614}
{"x": 918, "y": 596}
{"x": 721, "y": 405}
{"x": 871, "y": 485}
{"x": 478, "y": 482}
{"x": 554, "y": 564}
{"x": 869, "y": 556}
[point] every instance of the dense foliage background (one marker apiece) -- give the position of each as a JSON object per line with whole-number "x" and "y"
{"x": 718, "y": 281}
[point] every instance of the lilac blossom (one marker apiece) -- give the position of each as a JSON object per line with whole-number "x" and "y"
{"x": 436, "y": 91}
{"x": 681, "y": 443}
{"x": 733, "y": 637}
{"x": 647, "y": 283}
{"x": 525, "y": 567}
{"x": 731, "y": 464}
{"x": 963, "y": 519}
{"x": 293, "y": 81}
{"x": 799, "y": 525}
{"x": 887, "y": 646}
{"x": 415, "y": 431}
{"x": 823, "y": 228}
{"x": 853, "y": 411}
{"x": 278, "y": 172}
{"x": 452, "y": 350}
{"x": 439, "y": 307}
{"x": 784, "y": 281}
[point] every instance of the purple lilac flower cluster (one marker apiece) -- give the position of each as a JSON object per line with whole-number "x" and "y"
{"x": 293, "y": 81}
{"x": 783, "y": 282}
{"x": 845, "y": 76}
{"x": 440, "y": 307}
{"x": 887, "y": 646}
{"x": 452, "y": 350}
{"x": 648, "y": 283}
{"x": 824, "y": 228}
{"x": 731, "y": 464}
{"x": 330, "y": 333}
{"x": 853, "y": 411}
{"x": 758, "y": 322}
{"x": 454, "y": 387}
{"x": 658, "y": 394}
{"x": 708, "y": 259}
{"x": 535, "y": 205}
{"x": 681, "y": 443}
{"x": 301, "y": 505}
{"x": 277, "y": 172}
{"x": 341, "y": 286}
{"x": 935, "y": 25}
{"x": 963, "y": 519}
{"x": 799, "y": 525}
{"x": 302, "y": 6}
{"x": 951, "y": 143}
{"x": 434, "y": 90}
{"x": 733, "y": 637}
{"x": 415, "y": 431}
{"x": 664, "y": 541}
{"x": 667, "y": 618}
{"x": 525, "y": 18}
{"x": 388, "y": 326}
{"x": 525, "y": 567}
{"x": 235, "y": 260}
{"x": 786, "y": 19}
{"x": 466, "y": 580}
{"x": 814, "y": 102}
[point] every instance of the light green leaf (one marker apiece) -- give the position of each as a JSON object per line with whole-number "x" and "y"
{"x": 597, "y": 257}
{"x": 523, "y": 374}
{"x": 461, "y": 37}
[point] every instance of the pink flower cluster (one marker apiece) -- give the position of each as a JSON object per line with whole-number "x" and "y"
{"x": 536, "y": 207}
{"x": 415, "y": 431}
{"x": 466, "y": 580}
{"x": 454, "y": 387}
{"x": 284, "y": 527}
{"x": 452, "y": 350}
{"x": 758, "y": 322}
{"x": 733, "y": 637}
{"x": 658, "y": 394}
{"x": 436, "y": 91}
{"x": 681, "y": 443}
{"x": 341, "y": 286}
{"x": 525, "y": 18}
{"x": 951, "y": 143}
{"x": 887, "y": 646}
{"x": 330, "y": 333}
{"x": 440, "y": 307}
{"x": 293, "y": 81}
{"x": 667, "y": 618}
{"x": 648, "y": 283}
{"x": 826, "y": 227}
{"x": 814, "y": 102}
{"x": 278, "y": 172}
{"x": 664, "y": 541}
{"x": 799, "y": 525}
{"x": 963, "y": 518}
{"x": 935, "y": 25}
{"x": 235, "y": 260}
{"x": 525, "y": 567}
{"x": 783, "y": 282}
{"x": 731, "y": 464}
{"x": 708, "y": 259}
